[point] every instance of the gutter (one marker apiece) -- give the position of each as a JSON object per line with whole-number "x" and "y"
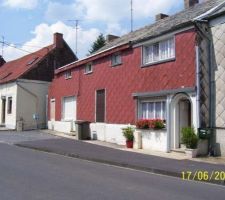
{"x": 209, "y": 12}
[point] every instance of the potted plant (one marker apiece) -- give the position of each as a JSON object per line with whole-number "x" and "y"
{"x": 128, "y": 133}
{"x": 190, "y": 139}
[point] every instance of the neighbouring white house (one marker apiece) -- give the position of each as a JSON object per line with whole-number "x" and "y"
{"x": 24, "y": 85}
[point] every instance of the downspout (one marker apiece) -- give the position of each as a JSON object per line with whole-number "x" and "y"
{"x": 210, "y": 64}
{"x": 197, "y": 85}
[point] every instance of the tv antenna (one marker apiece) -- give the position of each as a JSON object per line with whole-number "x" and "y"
{"x": 3, "y": 42}
{"x": 76, "y": 29}
{"x": 131, "y": 15}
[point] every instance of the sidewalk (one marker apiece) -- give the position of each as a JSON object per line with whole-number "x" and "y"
{"x": 112, "y": 156}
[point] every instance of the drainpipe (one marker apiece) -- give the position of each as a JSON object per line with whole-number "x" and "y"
{"x": 168, "y": 122}
{"x": 197, "y": 85}
{"x": 210, "y": 64}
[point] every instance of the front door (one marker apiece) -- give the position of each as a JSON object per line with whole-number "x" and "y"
{"x": 184, "y": 115}
{"x": 3, "y": 111}
{"x": 52, "y": 110}
{"x": 100, "y": 106}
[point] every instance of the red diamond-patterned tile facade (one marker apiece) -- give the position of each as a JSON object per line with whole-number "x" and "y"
{"x": 122, "y": 81}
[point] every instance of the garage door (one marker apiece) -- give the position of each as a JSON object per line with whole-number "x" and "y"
{"x": 69, "y": 108}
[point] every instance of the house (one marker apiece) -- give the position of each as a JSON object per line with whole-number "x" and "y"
{"x": 153, "y": 72}
{"x": 211, "y": 26}
{"x": 24, "y": 85}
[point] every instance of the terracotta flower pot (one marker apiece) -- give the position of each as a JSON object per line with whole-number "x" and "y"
{"x": 129, "y": 144}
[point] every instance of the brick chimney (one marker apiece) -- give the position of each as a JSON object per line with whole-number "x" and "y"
{"x": 160, "y": 16}
{"x": 58, "y": 40}
{"x": 110, "y": 38}
{"x": 2, "y": 61}
{"x": 190, "y": 3}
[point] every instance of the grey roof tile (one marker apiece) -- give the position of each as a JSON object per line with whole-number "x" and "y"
{"x": 167, "y": 24}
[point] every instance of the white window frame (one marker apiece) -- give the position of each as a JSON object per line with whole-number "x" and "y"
{"x": 159, "y": 59}
{"x": 140, "y": 114}
{"x": 114, "y": 60}
{"x": 87, "y": 70}
{"x": 68, "y": 74}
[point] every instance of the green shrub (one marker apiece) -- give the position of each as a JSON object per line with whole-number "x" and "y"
{"x": 189, "y": 137}
{"x": 128, "y": 133}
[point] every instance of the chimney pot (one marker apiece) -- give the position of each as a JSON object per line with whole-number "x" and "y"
{"x": 58, "y": 40}
{"x": 190, "y": 3}
{"x": 2, "y": 61}
{"x": 160, "y": 16}
{"x": 110, "y": 38}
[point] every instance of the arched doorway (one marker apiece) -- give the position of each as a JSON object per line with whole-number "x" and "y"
{"x": 181, "y": 117}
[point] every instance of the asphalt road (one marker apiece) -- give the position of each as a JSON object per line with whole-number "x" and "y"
{"x": 31, "y": 175}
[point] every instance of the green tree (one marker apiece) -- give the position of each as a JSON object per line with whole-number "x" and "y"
{"x": 98, "y": 43}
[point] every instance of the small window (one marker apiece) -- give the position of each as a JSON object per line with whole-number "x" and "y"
{"x": 9, "y": 108}
{"x": 153, "y": 110}
{"x": 88, "y": 68}
{"x": 116, "y": 59}
{"x": 68, "y": 74}
{"x": 160, "y": 51}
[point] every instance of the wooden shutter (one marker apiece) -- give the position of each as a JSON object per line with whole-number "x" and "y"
{"x": 100, "y": 106}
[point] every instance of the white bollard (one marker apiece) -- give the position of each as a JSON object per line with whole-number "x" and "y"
{"x": 137, "y": 140}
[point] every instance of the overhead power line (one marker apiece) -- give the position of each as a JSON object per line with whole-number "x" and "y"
{"x": 13, "y": 46}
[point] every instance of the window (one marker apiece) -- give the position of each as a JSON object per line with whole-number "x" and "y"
{"x": 116, "y": 59}
{"x": 69, "y": 108}
{"x": 153, "y": 110}
{"x": 9, "y": 108}
{"x": 159, "y": 51}
{"x": 88, "y": 68}
{"x": 68, "y": 74}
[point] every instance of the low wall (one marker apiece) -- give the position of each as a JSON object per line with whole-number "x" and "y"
{"x": 220, "y": 142}
{"x": 155, "y": 140}
{"x": 61, "y": 126}
{"x": 108, "y": 132}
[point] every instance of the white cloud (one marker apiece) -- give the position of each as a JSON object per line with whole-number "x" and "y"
{"x": 24, "y": 4}
{"x": 117, "y": 10}
{"x": 58, "y": 11}
{"x": 43, "y": 36}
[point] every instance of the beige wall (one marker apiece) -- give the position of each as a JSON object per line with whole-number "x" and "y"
{"x": 218, "y": 35}
{"x": 31, "y": 99}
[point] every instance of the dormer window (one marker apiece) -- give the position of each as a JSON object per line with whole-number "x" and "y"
{"x": 68, "y": 74}
{"x": 159, "y": 51}
{"x": 116, "y": 59}
{"x": 88, "y": 68}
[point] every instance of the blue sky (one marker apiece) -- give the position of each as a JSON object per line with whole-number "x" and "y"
{"x": 29, "y": 24}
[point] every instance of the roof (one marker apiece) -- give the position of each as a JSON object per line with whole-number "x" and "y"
{"x": 162, "y": 26}
{"x": 13, "y": 70}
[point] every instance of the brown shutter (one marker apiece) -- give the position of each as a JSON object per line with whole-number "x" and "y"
{"x": 100, "y": 106}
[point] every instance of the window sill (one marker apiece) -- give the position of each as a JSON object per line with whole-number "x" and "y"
{"x": 115, "y": 65}
{"x": 87, "y": 73}
{"x": 158, "y": 62}
{"x": 68, "y": 78}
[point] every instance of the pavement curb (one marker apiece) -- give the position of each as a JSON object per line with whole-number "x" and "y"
{"x": 119, "y": 164}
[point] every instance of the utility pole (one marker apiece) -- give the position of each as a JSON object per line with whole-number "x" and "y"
{"x": 76, "y": 29}
{"x": 131, "y": 17}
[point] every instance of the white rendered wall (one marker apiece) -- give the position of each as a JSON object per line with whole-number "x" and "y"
{"x": 108, "y": 132}
{"x": 9, "y": 90}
